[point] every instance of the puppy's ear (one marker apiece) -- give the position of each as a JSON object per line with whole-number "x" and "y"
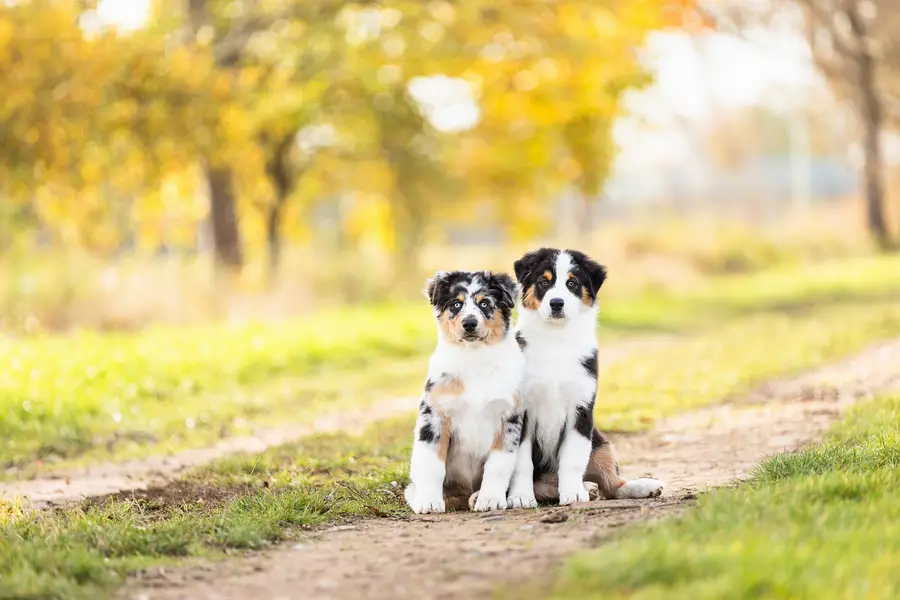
{"x": 522, "y": 266}
{"x": 596, "y": 272}
{"x": 507, "y": 287}
{"x": 432, "y": 286}
{"x": 527, "y": 263}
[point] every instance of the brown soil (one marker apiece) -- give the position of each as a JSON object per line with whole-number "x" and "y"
{"x": 470, "y": 555}
{"x": 176, "y": 497}
{"x": 158, "y": 472}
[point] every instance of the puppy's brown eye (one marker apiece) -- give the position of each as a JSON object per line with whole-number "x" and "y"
{"x": 571, "y": 283}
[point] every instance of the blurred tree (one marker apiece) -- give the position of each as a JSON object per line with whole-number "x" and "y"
{"x": 295, "y": 56}
{"x": 548, "y": 79}
{"x": 88, "y": 116}
{"x": 227, "y": 44}
{"x": 853, "y": 44}
{"x": 285, "y": 57}
{"x": 312, "y": 97}
{"x": 856, "y": 46}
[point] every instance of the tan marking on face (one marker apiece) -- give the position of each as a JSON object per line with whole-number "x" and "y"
{"x": 585, "y": 293}
{"x": 496, "y": 329}
{"x": 451, "y": 327}
{"x": 479, "y": 298}
{"x": 529, "y": 300}
{"x": 448, "y": 386}
{"x": 586, "y": 297}
{"x": 461, "y": 297}
{"x": 548, "y": 275}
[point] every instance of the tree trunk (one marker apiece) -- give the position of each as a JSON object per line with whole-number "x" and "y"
{"x": 223, "y": 216}
{"x": 873, "y": 169}
{"x": 872, "y": 117}
{"x": 279, "y": 174}
{"x": 273, "y": 240}
{"x": 874, "y": 189}
{"x": 223, "y": 211}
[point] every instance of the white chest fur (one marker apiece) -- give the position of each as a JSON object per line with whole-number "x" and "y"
{"x": 491, "y": 378}
{"x": 556, "y": 381}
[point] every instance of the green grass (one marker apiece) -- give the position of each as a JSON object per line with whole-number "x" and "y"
{"x": 168, "y": 426}
{"x": 790, "y": 289}
{"x": 734, "y": 357}
{"x": 244, "y": 503}
{"x": 63, "y": 397}
{"x": 820, "y": 523}
{"x": 89, "y": 396}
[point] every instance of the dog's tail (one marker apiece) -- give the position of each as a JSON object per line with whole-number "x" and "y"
{"x": 603, "y": 469}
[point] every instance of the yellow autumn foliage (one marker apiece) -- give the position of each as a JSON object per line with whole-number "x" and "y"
{"x": 104, "y": 134}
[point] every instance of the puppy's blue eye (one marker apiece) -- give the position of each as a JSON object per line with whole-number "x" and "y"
{"x": 484, "y": 304}
{"x": 571, "y": 284}
{"x": 457, "y": 304}
{"x": 544, "y": 283}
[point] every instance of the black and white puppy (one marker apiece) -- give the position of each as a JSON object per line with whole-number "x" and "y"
{"x": 469, "y": 426}
{"x": 562, "y": 453}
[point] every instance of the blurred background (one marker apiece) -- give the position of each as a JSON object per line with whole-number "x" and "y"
{"x": 191, "y": 160}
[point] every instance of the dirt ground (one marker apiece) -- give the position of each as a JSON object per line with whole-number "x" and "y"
{"x": 468, "y": 555}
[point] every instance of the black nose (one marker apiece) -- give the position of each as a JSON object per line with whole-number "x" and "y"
{"x": 556, "y": 304}
{"x": 470, "y": 323}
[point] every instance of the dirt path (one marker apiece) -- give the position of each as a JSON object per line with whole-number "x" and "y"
{"x": 108, "y": 478}
{"x": 469, "y": 555}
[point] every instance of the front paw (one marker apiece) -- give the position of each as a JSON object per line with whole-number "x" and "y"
{"x": 423, "y": 505}
{"x": 521, "y": 500}
{"x": 571, "y": 496}
{"x": 480, "y": 502}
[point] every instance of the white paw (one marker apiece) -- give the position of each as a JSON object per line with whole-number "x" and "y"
{"x": 578, "y": 494}
{"x": 523, "y": 500}
{"x": 640, "y": 488}
{"x": 485, "y": 502}
{"x": 593, "y": 490}
{"x": 424, "y": 505}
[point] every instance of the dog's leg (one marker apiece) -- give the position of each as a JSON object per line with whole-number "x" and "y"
{"x": 501, "y": 462}
{"x": 521, "y": 489}
{"x": 603, "y": 469}
{"x": 574, "y": 454}
{"x": 457, "y": 496}
{"x": 425, "y": 493}
{"x": 546, "y": 488}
